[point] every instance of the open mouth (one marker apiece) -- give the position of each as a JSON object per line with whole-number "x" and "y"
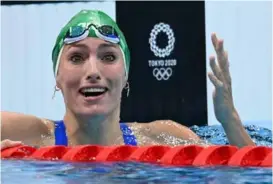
{"x": 93, "y": 91}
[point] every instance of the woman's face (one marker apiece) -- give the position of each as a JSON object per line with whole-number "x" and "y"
{"x": 91, "y": 77}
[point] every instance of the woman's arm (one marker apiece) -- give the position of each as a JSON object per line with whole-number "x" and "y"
{"x": 171, "y": 133}
{"x": 236, "y": 133}
{"x": 224, "y": 108}
{"x": 28, "y": 129}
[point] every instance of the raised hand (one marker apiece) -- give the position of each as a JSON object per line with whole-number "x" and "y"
{"x": 220, "y": 77}
{"x": 224, "y": 109}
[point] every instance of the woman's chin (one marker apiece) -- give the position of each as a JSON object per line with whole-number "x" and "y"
{"x": 93, "y": 111}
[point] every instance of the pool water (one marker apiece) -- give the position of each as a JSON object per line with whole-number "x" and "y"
{"x": 44, "y": 172}
{"x": 215, "y": 134}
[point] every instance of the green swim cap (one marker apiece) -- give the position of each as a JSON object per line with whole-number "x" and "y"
{"x": 84, "y": 18}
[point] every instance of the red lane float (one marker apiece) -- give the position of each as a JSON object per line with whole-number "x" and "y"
{"x": 115, "y": 153}
{"x": 17, "y": 152}
{"x": 191, "y": 155}
{"x": 50, "y": 153}
{"x": 214, "y": 155}
{"x": 267, "y": 162}
{"x": 181, "y": 155}
{"x": 151, "y": 154}
{"x": 85, "y": 153}
{"x": 249, "y": 156}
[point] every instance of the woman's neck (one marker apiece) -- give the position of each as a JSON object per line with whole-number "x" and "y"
{"x": 102, "y": 130}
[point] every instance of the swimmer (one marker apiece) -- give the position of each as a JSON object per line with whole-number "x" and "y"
{"x": 91, "y": 66}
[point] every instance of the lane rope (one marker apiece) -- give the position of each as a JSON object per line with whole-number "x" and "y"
{"x": 190, "y": 155}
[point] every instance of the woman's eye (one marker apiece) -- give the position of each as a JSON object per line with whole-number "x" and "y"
{"x": 76, "y": 59}
{"x": 109, "y": 57}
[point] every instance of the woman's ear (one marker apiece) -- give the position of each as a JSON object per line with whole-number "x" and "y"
{"x": 58, "y": 85}
{"x": 124, "y": 83}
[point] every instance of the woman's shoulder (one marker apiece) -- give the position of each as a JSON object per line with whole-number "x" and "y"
{"x": 50, "y": 124}
{"x": 15, "y": 118}
{"x": 159, "y": 126}
{"x": 28, "y": 128}
{"x": 165, "y": 132}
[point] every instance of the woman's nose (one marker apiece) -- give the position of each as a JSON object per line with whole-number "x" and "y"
{"x": 94, "y": 76}
{"x": 93, "y": 71}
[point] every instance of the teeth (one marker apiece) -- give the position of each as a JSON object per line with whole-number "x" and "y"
{"x": 93, "y": 90}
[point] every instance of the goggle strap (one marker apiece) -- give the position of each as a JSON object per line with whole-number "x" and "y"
{"x": 124, "y": 60}
{"x": 58, "y": 61}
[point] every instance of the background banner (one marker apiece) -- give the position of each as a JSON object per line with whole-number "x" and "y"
{"x": 168, "y": 61}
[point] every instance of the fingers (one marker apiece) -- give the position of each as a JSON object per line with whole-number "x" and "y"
{"x": 8, "y": 143}
{"x": 222, "y": 56}
{"x": 214, "y": 40}
{"x": 218, "y": 44}
{"x": 216, "y": 82}
{"x": 215, "y": 68}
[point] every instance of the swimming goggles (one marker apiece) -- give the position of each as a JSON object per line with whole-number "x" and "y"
{"x": 105, "y": 32}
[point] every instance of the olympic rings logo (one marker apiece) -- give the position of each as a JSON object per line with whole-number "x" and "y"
{"x": 162, "y": 73}
{"x": 165, "y": 28}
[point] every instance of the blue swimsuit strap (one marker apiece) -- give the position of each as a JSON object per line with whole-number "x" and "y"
{"x": 61, "y": 138}
{"x": 128, "y": 136}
